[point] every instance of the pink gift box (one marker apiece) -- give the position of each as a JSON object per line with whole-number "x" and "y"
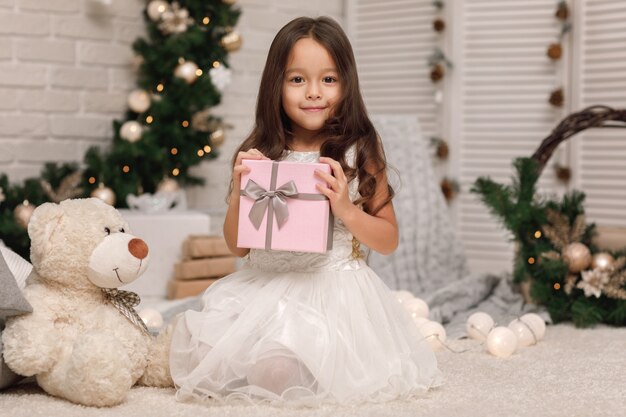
{"x": 279, "y": 188}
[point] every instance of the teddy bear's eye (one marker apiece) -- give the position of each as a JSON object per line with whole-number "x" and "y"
{"x": 122, "y": 230}
{"x": 107, "y": 230}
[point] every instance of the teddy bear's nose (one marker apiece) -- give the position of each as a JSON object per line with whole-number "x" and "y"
{"x": 138, "y": 248}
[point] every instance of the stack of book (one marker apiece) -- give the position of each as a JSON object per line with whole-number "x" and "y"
{"x": 205, "y": 260}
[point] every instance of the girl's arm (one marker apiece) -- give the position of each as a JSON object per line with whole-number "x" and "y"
{"x": 380, "y": 231}
{"x": 231, "y": 222}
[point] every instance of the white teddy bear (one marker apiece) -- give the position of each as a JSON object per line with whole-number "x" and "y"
{"x": 84, "y": 341}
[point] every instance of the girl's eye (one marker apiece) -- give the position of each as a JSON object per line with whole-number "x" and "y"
{"x": 122, "y": 230}
{"x": 329, "y": 80}
{"x": 297, "y": 80}
{"x": 107, "y": 230}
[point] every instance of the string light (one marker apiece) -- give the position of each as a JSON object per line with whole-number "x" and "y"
{"x": 557, "y": 286}
{"x": 185, "y": 123}
{"x": 92, "y": 180}
{"x": 537, "y": 234}
{"x": 160, "y": 87}
{"x": 126, "y": 169}
{"x": 149, "y": 119}
{"x": 181, "y": 60}
{"x": 173, "y": 151}
{"x": 200, "y": 152}
{"x": 206, "y": 20}
{"x": 199, "y": 72}
{"x": 531, "y": 260}
{"x": 216, "y": 64}
{"x": 175, "y": 172}
{"x": 207, "y": 148}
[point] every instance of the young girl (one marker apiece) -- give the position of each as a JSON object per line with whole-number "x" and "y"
{"x": 305, "y": 328}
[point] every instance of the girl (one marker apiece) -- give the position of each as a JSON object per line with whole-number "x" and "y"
{"x": 304, "y": 328}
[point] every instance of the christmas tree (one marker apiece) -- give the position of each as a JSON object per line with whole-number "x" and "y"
{"x": 168, "y": 127}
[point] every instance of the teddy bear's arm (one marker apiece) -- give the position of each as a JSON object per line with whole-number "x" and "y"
{"x": 29, "y": 345}
{"x": 157, "y": 372}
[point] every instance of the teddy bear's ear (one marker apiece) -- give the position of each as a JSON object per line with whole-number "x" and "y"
{"x": 44, "y": 221}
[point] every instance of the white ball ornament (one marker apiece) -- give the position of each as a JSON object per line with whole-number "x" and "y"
{"x": 524, "y": 333}
{"x": 536, "y": 323}
{"x": 139, "y": 100}
{"x": 419, "y": 321}
{"x": 416, "y": 307}
{"x": 151, "y": 317}
{"x": 479, "y": 325}
{"x": 156, "y": 8}
{"x": 187, "y": 71}
{"x": 105, "y": 194}
{"x": 131, "y": 131}
{"x": 501, "y": 342}
{"x": 434, "y": 333}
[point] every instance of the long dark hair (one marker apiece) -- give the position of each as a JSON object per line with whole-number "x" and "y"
{"x": 349, "y": 124}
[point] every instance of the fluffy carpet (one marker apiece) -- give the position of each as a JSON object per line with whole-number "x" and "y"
{"x": 572, "y": 372}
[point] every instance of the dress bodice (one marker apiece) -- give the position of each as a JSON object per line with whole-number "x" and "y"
{"x": 339, "y": 258}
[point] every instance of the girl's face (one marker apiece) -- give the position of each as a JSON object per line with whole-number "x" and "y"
{"x": 311, "y": 87}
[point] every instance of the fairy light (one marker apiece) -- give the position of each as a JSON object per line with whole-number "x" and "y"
{"x": 173, "y": 151}
{"x": 200, "y": 152}
{"x": 175, "y": 172}
{"x": 149, "y": 119}
{"x": 557, "y": 286}
{"x": 92, "y": 180}
{"x": 216, "y": 64}
{"x": 207, "y": 149}
{"x": 181, "y": 60}
{"x": 537, "y": 234}
{"x": 199, "y": 72}
{"x": 160, "y": 87}
{"x": 206, "y": 20}
{"x": 185, "y": 123}
{"x": 126, "y": 169}
{"x": 531, "y": 260}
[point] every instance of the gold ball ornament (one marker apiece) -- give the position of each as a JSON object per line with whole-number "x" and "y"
{"x": 156, "y": 8}
{"x": 139, "y": 100}
{"x": 602, "y": 261}
{"x": 232, "y": 41}
{"x": 218, "y": 137}
{"x": 105, "y": 194}
{"x": 187, "y": 71}
{"x": 23, "y": 212}
{"x": 131, "y": 131}
{"x": 577, "y": 256}
{"x": 169, "y": 185}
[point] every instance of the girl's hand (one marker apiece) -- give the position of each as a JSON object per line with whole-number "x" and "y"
{"x": 239, "y": 169}
{"x": 337, "y": 194}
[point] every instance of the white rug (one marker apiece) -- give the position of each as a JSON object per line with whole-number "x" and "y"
{"x": 572, "y": 372}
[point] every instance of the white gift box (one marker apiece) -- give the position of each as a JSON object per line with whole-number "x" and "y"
{"x": 164, "y": 233}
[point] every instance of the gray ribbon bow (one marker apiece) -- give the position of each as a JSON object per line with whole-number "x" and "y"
{"x": 124, "y": 301}
{"x": 263, "y": 197}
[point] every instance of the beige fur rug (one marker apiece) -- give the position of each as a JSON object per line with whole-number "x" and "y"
{"x": 572, "y": 372}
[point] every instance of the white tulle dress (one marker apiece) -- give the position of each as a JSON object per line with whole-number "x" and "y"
{"x": 301, "y": 329}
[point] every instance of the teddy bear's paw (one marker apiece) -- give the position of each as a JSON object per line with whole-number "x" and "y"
{"x": 96, "y": 373}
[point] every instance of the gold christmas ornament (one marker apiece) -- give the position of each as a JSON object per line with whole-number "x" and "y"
{"x": 169, "y": 185}
{"x": 131, "y": 131}
{"x": 602, "y": 261}
{"x": 156, "y": 8}
{"x": 439, "y": 25}
{"x": 187, "y": 71}
{"x": 577, "y": 256}
{"x": 105, "y": 194}
{"x": 175, "y": 20}
{"x": 218, "y": 137}
{"x": 557, "y": 98}
{"x": 437, "y": 73}
{"x": 139, "y": 100}
{"x": 554, "y": 51}
{"x": 231, "y": 41}
{"x": 23, "y": 212}
{"x": 68, "y": 188}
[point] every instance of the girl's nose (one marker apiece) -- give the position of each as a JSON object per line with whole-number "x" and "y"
{"x": 313, "y": 93}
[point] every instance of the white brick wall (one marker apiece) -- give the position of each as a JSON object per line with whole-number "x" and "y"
{"x": 60, "y": 78}
{"x": 65, "y": 70}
